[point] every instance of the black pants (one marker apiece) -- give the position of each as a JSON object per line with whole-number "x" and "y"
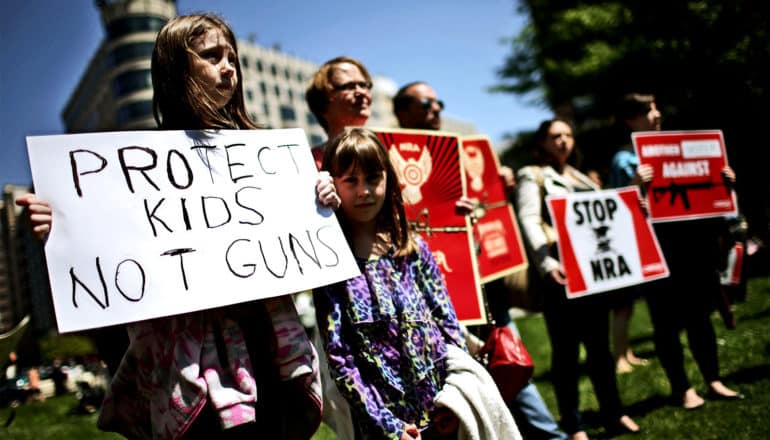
{"x": 570, "y": 323}
{"x": 684, "y": 300}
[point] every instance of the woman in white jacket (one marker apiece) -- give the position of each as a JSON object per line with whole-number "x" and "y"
{"x": 569, "y": 321}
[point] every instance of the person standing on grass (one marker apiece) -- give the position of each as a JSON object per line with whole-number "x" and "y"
{"x": 570, "y": 322}
{"x": 635, "y": 113}
{"x": 684, "y": 299}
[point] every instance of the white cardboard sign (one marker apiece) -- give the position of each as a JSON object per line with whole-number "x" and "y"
{"x": 157, "y": 223}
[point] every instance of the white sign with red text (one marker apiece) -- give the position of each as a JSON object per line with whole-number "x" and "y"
{"x": 605, "y": 241}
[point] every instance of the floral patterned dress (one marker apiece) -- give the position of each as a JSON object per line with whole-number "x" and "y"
{"x": 386, "y": 332}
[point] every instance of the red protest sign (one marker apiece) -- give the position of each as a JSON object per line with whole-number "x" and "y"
{"x": 428, "y": 168}
{"x": 501, "y": 251}
{"x": 605, "y": 241}
{"x": 687, "y": 182}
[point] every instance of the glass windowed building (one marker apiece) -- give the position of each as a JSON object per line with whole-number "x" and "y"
{"x": 115, "y": 91}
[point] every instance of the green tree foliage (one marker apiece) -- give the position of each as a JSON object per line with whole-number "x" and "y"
{"x": 707, "y": 62}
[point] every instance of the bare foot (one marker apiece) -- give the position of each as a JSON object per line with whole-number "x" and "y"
{"x": 718, "y": 389}
{"x": 635, "y": 360}
{"x": 580, "y": 435}
{"x": 623, "y": 366}
{"x": 691, "y": 399}
{"x": 628, "y": 424}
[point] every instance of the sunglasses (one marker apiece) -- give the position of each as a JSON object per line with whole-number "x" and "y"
{"x": 352, "y": 85}
{"x": 427, "y": 103}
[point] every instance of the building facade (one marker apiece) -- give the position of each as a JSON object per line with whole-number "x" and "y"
{"x": 24, "y": 285}
{"x": 115, "y": 92}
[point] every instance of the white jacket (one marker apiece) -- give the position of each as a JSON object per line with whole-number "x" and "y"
{"x": 531, "y": 209}
{"x": 471, "y": 394}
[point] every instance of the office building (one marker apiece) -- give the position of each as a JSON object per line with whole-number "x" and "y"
{"x": 115, "y": 91}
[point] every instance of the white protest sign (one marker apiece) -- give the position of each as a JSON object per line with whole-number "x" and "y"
{"x": 156, "y": 223}
{"x": 605, "y": 241}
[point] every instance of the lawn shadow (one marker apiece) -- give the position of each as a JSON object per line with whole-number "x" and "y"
{"x": 641, "y": 339}
{"x": 759, "y": 315}
{"x": 593, "y": 419}
{"x": 648, "y": 405}
{"x": 749, "y": 375}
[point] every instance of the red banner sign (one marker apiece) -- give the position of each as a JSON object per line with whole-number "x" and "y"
{"x": 428, "y": 167}
{"x": 687, "y": 181}
{"x": 500, "y": 249}
{"x": 605, "y": 241}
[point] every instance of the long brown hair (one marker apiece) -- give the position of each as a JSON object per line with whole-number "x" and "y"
{"x": 361, "y": 149}
{"x": 179, "y": 100}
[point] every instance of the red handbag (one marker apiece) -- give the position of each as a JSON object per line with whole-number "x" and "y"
{"x": 507, "y": 361}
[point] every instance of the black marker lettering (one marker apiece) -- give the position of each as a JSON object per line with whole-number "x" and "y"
{"x": 231, "y": 165}
{"x": 180, "y": 252}
{"x": 170, "y": 170}
{"x": 261, "y": 164}
{"x": 252, "y": 266}
{"x": 76, "y": 174}
{"x": 142, "y": 169}
{"x": 141, "y": 272}
{"x": 288, "y": 148}
{"x": 205, "y": 157}
{"x": 336, "y": 256}
{"x": 185, "y": 214}
{"x": 76, "y": 280}
{"x": 151, "y": 216}
{"x": 248, "y": 208}
{"x": 204, "y": 205}
{"x": 285, "y": 259}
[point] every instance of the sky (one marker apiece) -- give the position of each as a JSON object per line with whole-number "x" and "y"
{"x": 455, "y": 45}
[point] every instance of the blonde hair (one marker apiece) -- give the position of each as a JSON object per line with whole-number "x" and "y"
{"x": 179, "y": 100}
{"x": 361, "y": 149}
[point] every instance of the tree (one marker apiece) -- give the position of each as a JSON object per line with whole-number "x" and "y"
{"x": 707, "y": 62}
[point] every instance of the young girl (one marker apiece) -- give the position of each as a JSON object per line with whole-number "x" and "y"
{"x": 244, "y": 370}
{"x": 386, "y": 331}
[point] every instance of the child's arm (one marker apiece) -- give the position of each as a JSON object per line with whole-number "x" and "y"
{"x": 431, "y": 285}
{"x": 364, "y": 398}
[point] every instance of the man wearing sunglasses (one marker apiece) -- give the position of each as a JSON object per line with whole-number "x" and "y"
{"x": 416, "y": 106}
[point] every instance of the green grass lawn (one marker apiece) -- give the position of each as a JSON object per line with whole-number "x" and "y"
{"x": 744, "y": 356}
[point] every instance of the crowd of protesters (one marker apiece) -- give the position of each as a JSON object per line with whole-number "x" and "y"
{"x": 390, "y": 340}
